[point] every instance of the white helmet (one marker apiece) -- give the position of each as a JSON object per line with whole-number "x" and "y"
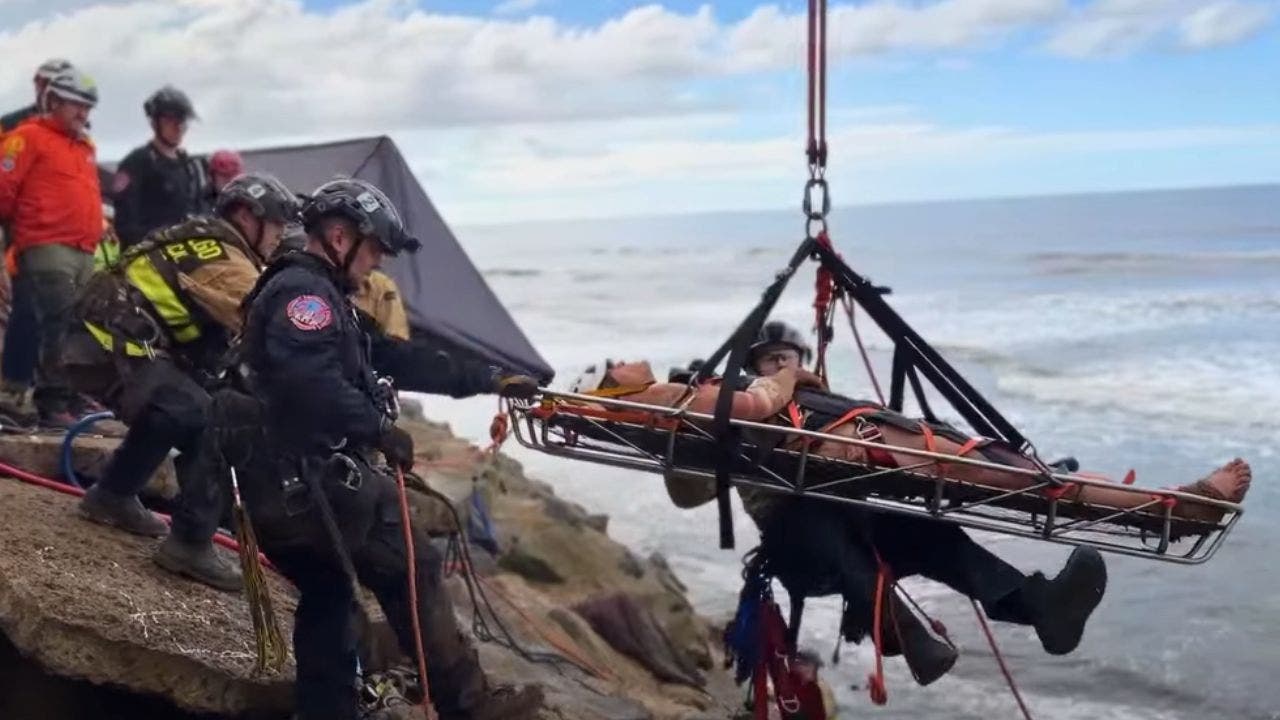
{"x": 592, "y": 378}
{"x": 51, "y": 68}
{"x": 72, "y": 85}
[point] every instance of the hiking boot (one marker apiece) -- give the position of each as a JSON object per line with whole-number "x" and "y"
{"x": 57, "y": 419}
{"x": 1059, "y": 608}
{"x": 928, "y": 656}
{"x": 121, "y": 511}
{"x": 200, "y": 562}
{"x": 503, "y": 702}
{"x": 395, "y": 712}
{"x": 15, "y": 405}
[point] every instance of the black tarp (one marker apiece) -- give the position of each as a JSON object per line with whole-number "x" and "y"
{"x": 446, "y": 296}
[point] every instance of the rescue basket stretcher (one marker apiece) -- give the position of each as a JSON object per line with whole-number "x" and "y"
{"x": 679, "y": 445}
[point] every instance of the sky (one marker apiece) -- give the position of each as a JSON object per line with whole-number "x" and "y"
{"x": 529, "y": 109}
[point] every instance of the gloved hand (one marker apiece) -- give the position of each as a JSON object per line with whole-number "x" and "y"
{"x": 397, "y": 446}
{"x": 521, "y": 387}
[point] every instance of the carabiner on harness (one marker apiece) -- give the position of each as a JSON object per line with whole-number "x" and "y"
{"x": 352, "y": 479}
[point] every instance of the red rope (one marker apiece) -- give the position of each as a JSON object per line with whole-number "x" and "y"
{"x": 813, "y": 78}
{"x": 875, "y": 682}
{"x": 824, "y": 288}
{"x": 416, "y": 613}
{"x": 862, "y": 348}
{"x": 1004, "y": 668}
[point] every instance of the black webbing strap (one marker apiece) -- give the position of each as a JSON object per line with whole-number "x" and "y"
{"x": 912, "y": 353}
{"x": 736, "y": 347}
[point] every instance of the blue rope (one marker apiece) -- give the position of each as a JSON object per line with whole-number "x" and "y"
{"x": 79, "y": 426}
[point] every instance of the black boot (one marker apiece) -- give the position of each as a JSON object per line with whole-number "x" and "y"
{"x": 1059, "y": 608}
{"x": 123, "y": 511}
{"x": 200, "y": 562}
{"x": 928, "y": 656}
{"x": 504, "y": 702}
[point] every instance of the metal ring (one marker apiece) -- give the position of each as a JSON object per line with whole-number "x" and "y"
{"x": 821, "y": 184}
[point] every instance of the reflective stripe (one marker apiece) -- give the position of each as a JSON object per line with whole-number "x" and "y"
{"x": 104, "y": 337}
{"x": 142, "y": 274}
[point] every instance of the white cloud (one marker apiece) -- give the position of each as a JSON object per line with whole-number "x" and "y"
{"x": 525, "y": 115}
{"x": 270, "y": 68}
{"x": 688, "y": 163}
{"x": 769, "y": 38}
{"x": 1120, "y": 27}
{"x": 1223, "y": 23}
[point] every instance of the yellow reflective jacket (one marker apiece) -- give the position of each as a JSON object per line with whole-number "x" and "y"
{"x": 172, "y": 289}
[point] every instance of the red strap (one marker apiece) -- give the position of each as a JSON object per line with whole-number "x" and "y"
{"x": 930, "y": 443}
{"x": 793, "y": 411}
{"x": 638, "y": 417}
{"x": 1056, "y": 493}
{"x": 845, "y": 418}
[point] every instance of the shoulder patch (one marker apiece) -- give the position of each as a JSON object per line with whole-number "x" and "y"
{"x": 309, "y": 312}
{"x": 14, "y": 145}
{"x": 120, "y": 181}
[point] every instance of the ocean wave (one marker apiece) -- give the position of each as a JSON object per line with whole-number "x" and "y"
{"x": 1229, "y": 389}
{"x": 512, "y": 272}
{"x": 1097, "y": 263}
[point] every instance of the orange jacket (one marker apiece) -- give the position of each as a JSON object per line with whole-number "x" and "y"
{"x": 49, "y": 187}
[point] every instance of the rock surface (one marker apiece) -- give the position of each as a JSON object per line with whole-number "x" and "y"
{"x": 87, "y": 603}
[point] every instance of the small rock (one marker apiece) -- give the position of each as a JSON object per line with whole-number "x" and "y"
{"x": 529, "y": 567}
{"x": 630, "y": 627}
{"x": 564, "y": 511}
{"x": 598, "y": 522}
{"x": 630, "y": 564}
{"x": 411, "y": 409}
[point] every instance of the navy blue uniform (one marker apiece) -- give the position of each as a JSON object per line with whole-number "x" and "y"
{"x": 309, "y": 365}
{"x": 152, "y": 190}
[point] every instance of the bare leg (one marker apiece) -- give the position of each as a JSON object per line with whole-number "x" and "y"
{"x": 1229, "y": 482}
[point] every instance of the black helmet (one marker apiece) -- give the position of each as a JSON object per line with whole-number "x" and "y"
{"x": 170, "y": 101}
{"x": 363, "y": 204}
{"x": 776, "y": 332}
{"x": 263, "y": 194}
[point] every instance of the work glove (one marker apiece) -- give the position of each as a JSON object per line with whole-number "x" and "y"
{"x": 397, "y": 447}
{"x": 520, "y": 387}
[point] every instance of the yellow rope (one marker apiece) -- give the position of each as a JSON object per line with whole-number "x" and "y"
{"x": 272, "y": 650}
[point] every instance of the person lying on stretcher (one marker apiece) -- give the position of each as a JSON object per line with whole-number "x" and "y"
{"x": 816, "y": 547}
{"x": 783, "y": 391}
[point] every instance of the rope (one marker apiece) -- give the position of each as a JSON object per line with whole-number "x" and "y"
{"x": 1004, "y": 668}
{"x": 416, "y": 616}
{"x": 79, "y": 426}
{"x": 273, "y": 652}
{"x": 875, "y": 681}
{"x": 862, "y": 348}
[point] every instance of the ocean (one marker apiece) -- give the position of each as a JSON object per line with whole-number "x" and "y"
{"x": 1130, "y": 330}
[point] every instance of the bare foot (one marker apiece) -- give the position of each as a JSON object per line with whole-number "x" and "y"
{"x": 1229, "y": 482}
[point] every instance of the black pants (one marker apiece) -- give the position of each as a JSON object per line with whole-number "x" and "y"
{"x": 371, "y": 533}
{"x": 165, "y": 409}
{"x": 816, "y": 547}
{"x": 21, "y": 338}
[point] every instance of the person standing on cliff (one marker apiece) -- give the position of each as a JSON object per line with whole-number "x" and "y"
{"x": 324, "y": 515}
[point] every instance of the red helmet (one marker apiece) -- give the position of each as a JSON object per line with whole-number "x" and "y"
{"x": 226, "y": 163}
